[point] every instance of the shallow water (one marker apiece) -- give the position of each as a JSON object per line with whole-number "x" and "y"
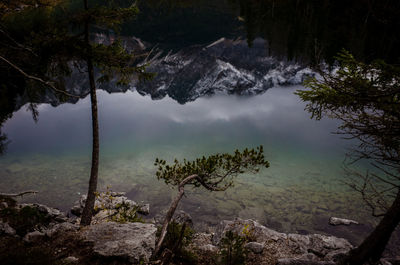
{"x": 298, "y": 193}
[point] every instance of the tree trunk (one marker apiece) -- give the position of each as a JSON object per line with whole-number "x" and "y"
{"x": 171, "y": 212}
{"x": 168, "y": 218}
{"x": 91, "y": 196}
{"x": 372, "y": 247}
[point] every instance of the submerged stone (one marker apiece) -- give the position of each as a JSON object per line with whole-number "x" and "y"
{"x": 341, "y": 221}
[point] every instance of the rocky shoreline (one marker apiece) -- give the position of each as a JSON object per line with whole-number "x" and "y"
{"x": 115, "y": 238}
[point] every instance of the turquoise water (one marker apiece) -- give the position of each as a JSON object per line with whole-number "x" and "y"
{"x": 302, "y": 188}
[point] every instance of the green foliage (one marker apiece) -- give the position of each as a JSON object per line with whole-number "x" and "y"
{"x": 126, "y": 213}
{"x": 121, "y": 212}
{"x": 215, "y": 172}
{"x": 178, "y": 240}
{"x": 248, "y": 233}
{"x": 232, "y": 249}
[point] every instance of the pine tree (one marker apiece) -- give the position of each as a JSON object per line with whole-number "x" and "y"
{"x": 366, "y": 99}
{"x": 214, "y": 173}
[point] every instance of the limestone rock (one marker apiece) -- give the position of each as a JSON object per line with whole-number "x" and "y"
{"x": 208, "y": 248}
{"x": 51, "y": 213}
{"x": 293, "y": 261}
{"x": 5, "y": 229}
{"x": 109, "y": 201}
{"x": 61, "y": 228}
{"x": 299, "y": 248}
{"x": 203, "y": 242}
{"x": 255, "y": 247}
{"x": 34, "y": 236}
{"x": 3, "y": 205}
{"x": 144, "y": 209}
{"x": 71, "y": 260}
{"x": 132, "y": 241}
{"x": 256, "y": 230}
{"x": 183, "y": 217}
{"x": 341, "y": 221}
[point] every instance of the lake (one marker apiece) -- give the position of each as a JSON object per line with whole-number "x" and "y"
{"x": 301, "y": 189}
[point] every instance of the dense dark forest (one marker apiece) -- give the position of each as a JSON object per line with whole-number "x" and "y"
{"x": 310, "y": 31}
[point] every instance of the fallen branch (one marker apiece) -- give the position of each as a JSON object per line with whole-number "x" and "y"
{"x": 18, "y": 194}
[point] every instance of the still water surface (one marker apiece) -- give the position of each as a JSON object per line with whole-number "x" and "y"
{"x": 299, "y": 192}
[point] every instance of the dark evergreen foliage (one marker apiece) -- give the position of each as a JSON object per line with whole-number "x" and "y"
{"x": 366, "y": 99}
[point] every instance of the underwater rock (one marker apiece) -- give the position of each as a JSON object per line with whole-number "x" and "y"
{"x": 132, "y": 241}
{"x": 341, "y": 221}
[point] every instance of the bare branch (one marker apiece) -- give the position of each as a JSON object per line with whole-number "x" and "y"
{"x": 46, "y": 83}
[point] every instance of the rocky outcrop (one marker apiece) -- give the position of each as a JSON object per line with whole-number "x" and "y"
{"x": 52, "y": 214}
{"x": 135, "y": 242}
{"x": 132, "y": 241}
{"x": 296, "y": 247}
{"x": 109, "y": 202}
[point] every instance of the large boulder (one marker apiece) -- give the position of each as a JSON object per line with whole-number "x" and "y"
{"x": 132, "y": 241}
